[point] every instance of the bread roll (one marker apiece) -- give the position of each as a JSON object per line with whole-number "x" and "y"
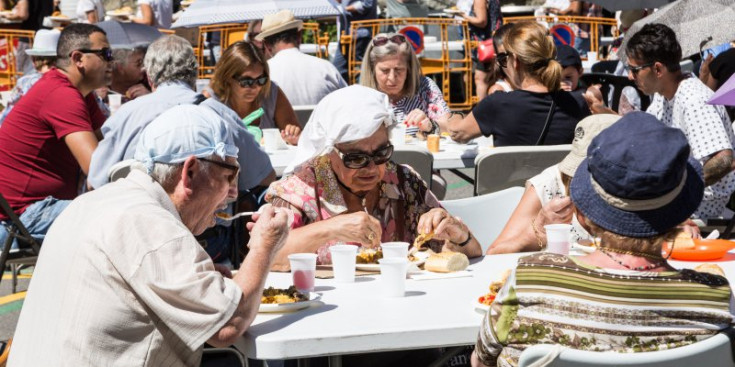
{"x": 447, "y": 262}
{"x": 711, "y": 269}
{"x": 684, "y": 240}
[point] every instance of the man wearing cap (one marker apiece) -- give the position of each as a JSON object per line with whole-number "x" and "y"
{"x": 680, "y": 101}
{"x": 305, "y": 79}
{"x": 46, "y": 142}
{"x": 130, "y": 285}
{"x": 571, "y": 65}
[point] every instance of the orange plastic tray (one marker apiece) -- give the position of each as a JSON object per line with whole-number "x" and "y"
{"x": 703, "y": 250}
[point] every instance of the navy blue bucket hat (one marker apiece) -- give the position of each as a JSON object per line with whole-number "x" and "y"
{"x": 638, "y": 179}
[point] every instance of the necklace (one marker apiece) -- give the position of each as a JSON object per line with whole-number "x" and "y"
{"x": 650, "y": 266}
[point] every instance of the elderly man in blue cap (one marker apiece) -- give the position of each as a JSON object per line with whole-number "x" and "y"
{"x": 121, "y": 279}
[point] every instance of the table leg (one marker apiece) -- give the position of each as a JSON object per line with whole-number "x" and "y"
{"x": 462, "y": 175}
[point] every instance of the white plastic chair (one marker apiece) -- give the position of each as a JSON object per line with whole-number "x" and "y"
{"x": 486, "y": 215}
{"x": 714, "y": 351}
{"x": 120, "y": 169}
{"x": 505, "y": 167}
{"x": 303, "y": 113}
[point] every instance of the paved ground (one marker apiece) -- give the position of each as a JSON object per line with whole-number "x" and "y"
{"x": 10, "y": 304}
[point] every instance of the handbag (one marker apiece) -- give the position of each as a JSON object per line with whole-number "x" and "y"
{"x": 485, "y": 51}
{"x": 547, "y": 124}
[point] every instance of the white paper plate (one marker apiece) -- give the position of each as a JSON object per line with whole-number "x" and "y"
{"x": 583, "y": 248}
{"x": 481, "y": 308}
{"x": 114, "y": 13}
{"x": 289, "y": 307}
{"x": 376, "y": 267}
{"x": 452, "y": 11}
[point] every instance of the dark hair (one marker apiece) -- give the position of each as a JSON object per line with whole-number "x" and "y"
{"x": 292, "y": 36}
{"x": 655, "y": 43}
{"x": 74, "y": 37}
{"x": 498, "y": 35}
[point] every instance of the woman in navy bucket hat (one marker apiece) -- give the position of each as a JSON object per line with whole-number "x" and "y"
{"x": 635, "y": 187}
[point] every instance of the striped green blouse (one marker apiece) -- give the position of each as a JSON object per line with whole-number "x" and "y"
{"x": 553, "y": 299}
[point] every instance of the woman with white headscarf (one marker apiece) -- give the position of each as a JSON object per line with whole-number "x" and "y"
{"x": 344, "y": 188}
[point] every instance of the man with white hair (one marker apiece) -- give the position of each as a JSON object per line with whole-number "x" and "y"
{"x": 130, "y": 285}
{"x": 305, "y": 79}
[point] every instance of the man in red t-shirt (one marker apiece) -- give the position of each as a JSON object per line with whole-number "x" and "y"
{"x": 53, "y": 130}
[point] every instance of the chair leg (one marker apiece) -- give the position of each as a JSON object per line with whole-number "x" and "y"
{"x": 14, "y": 269}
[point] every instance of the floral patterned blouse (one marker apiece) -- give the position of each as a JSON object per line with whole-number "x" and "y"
{"x": 428, "y": 99}
{"x": 314, "y": 193}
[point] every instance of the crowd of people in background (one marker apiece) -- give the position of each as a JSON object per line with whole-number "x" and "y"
{"x": 135, "y": 259}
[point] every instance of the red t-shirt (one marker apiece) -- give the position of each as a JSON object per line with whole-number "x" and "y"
{"x": 35, "y": 162}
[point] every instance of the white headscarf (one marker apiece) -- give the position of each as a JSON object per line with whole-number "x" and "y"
{"x": 345, "y": 115}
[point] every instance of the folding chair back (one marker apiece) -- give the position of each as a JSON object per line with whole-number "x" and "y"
{"x": 28, "y": 247}
{"x": 420, "y": 159}
{"x": 506, "y": 167}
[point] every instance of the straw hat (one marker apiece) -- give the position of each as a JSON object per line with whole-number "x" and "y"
{"x": 277, "y": 23}
{"x": 44, "y": 43}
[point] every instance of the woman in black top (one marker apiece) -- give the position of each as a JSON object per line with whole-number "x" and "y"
{"x": 520, "y": 117}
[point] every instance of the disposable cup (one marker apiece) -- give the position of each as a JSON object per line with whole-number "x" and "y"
{"x": 273, "y": 140}
{"x": 343, "y": 262}
{"x": 201, "y": 84}
{"x": 592, "y": 56}
{"x": 395, "y": 250}
{"x": 557, "y": 238}
{"x": 398, "y": 135}
{"x": 115, "y": 101}
{"x": 432, "y": 143}
{"x": 303, "y": 269}
{"x": 393, "y": 276}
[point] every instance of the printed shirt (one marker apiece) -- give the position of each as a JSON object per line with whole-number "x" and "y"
{"x": 554, "y": 299}
{"x": 428, "y": 99}
{"x": 314, "y": 194}
{"x": 708, "y": 130}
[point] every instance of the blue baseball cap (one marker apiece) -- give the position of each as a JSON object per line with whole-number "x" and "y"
{"x": 181, "y": 132}
{"x": 638, "y": 179}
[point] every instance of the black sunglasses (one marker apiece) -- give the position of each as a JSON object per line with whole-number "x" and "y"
{"x": 360, "y": 160}
{"x": 636, "y": 69}
{"x": 105, "y": 53}
{"x": 246, "y": 82}
{"x": 502, "y": 59}
{"x": 398, "y": 39}
{"x": 231, "y": 167}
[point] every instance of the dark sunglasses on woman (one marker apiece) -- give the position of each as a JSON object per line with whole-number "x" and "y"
{"x": 398, "y": 39}
{"x": 502, "y": 59}
{"x": 360, "y": 160}
{"x": 249, "y": 82}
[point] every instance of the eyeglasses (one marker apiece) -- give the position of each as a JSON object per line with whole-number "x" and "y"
{"x": 360, "y": 160}
{"x": 502, "y": 59}
{"x": 398, "y": 39}
{"x": 105, "y": 53}
{"x": 246, "y": 82}
{"x": 235, "y": 169}
{"x": 636, "y": 69}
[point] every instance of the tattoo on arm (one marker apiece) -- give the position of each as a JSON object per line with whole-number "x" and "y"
{"x": 716, "y": 168}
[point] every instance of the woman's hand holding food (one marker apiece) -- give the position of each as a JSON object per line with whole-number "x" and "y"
{"x": 419, "y": 119}
{"x": 357, "y": 227}
{"x": 444, "y": 226}
{"x": 291, "y": 134}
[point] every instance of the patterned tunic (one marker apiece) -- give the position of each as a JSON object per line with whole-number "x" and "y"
{"x": 428, "y": 99}
{"x": 553, "y": 299}
{"x": 23, "y": 85}
{"x": 313, "y": 191}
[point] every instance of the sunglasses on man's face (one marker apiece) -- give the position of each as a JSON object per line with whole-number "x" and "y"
{"x": 246, "y": 82}
{"x": 636, "y": 69}
{"x": 360, "y": 160}
{"x": 105, "y": 53}
{"x": 383, "y": 40}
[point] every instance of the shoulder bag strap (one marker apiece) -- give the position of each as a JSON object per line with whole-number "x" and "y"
{"x": 547, "y": 124}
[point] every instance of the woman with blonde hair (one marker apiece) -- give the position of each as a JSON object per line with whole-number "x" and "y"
{"x": 391, "y": 66}
{"x": 241, "y": 82}
{"x": 538, "y": 112}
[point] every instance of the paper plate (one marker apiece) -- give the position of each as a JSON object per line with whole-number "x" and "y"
{"x": 376, "y": 267}
{"x": 482, "y": 308}
{"x": 114, "y": 13}
{"x": 452, "y": 11}
{"x": 703, "y": 250}
{"x": 289, "y": 307}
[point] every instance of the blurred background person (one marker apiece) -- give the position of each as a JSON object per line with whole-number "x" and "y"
{"x": 155, "y": 13}
{"x": 31, "y": 14}
{"x": 90, "y": 11}
{"x": 483, "y": 19}
{"x": 128, "y": 75}
{"x": 571, "y": 65}
{"x": 354, "y": 10}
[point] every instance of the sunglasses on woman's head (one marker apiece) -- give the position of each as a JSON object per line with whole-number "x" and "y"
{"x": 398, "y": 39}
{"x": 360, "y": 160}
{"x": 246, "y": 82}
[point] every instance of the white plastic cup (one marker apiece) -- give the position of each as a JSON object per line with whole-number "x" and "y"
{"x": 557, "y": 238}
{"x": 115, "y": 101}
{"x": 201, "y": 84}
{"x": 344, "y": 262}
{"x": 398, "y": 134}
{"x": 592, "y": 57}
{"x": 303, "y": 271}
{"x": 273, "y": 140}
{"x": 395, "y": 250}
{"x": 393, "y": 276}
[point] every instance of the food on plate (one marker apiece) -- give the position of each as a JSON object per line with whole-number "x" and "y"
{"x": 421, "y": 239}
{"x": 125, "y": 10}
{"x": 279, "y": 295}
{"x": 711, "y": 269}
{"x": 684, "y": 240}
{"x": 447, "y": 262}
{"x": 489, "y": 297}
{"x": 368, "y": 256}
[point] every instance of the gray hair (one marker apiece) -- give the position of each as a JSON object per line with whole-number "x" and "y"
{"x": 171, "y": 58}
{"x": 374, "y": 55}
{"x": 121, "y": 55}
{"x": 168, "y": 175}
